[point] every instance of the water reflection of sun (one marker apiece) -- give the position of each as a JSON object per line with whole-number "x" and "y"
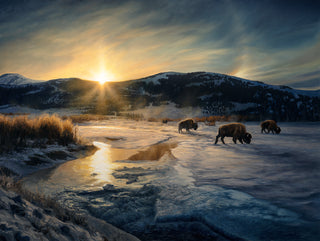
{"x": 101, "y": 162}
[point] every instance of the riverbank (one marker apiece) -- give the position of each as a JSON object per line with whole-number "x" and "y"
{"x": 29, "y": 216}
{"x": 30, "y": 145}
{"x": 24, "y": 220}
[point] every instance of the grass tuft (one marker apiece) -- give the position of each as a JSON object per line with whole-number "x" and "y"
{"x": 20, "y": 131}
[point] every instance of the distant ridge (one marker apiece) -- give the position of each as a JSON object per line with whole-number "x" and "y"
{"x": 210, "y": 75}
{"x": 16, "y": 79}
{"x": 211, "y": 93}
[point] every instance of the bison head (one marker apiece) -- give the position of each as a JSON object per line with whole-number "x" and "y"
{"x": 278, "y": 130}
{"x": 195, "y": 126}
{"x": 247, "y": 138}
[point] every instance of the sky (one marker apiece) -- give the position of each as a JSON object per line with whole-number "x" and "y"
{"x": 277, "y": 42}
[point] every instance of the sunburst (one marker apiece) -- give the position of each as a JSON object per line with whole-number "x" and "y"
{"x": 102, "y": 77}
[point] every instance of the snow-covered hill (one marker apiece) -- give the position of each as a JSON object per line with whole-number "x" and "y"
{"x": 218, "y": 94}
{"x": 201, "y": 78}
{"x": 211, "y": 93}
{"x": 16, "y": 79}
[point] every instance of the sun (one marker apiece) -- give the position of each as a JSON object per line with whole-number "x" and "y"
{"x": 102, "y": 77}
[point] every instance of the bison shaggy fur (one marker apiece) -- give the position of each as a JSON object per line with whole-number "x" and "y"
{"x": 235, "y": 130}
{"x": 187, "y": 124}
{"x": 270, "y": 125}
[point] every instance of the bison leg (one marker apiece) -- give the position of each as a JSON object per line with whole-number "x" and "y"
{"x": 234, "y": 140}
{"x": 217, "y": 137}
{"x": 240, "y": 139}
{"x": 222, "y": 139}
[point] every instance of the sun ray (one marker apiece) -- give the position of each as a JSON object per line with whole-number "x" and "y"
{"x": 102, "y": 77}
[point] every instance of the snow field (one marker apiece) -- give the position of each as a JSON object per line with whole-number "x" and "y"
{"x": 266, "y": 190}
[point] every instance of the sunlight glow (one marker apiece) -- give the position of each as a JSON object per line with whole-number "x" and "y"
{"x": 101, "y": 163}
{"x": 102, "y": 77}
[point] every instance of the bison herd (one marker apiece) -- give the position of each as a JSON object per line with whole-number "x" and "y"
{"x": 235, "y": 130}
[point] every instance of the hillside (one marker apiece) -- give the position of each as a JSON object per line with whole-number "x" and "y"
{"x": 214, "y": 94}
{"x": 218, "y": 94}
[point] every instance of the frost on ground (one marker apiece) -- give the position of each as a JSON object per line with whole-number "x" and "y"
{"x": 196, "y": 190}
{"x": 22, "y": 220}
{"x": 30, "y": 159}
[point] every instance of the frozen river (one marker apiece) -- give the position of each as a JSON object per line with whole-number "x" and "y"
{"x": 160, "y": 185}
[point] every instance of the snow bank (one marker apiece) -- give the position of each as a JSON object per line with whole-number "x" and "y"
{"x": 22, "y": 220}
{"x": 17, "y": 109}
{"x": 29, "y": 160}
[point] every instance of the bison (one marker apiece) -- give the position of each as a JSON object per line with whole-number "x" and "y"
{"x": 235, "y": 130}
{"x": 270, "y": 125}
{"x": 187, "y": 124}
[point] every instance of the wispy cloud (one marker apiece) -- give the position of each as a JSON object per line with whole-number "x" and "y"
{"x": 261, "y": 40}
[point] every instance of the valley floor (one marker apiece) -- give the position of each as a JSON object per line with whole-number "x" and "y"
{"x": 157, "y": 184}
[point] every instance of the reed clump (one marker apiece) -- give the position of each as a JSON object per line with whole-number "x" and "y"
{"x": 22, "y": 131}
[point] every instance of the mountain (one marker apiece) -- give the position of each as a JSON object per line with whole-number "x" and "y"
{"x": 58, "y": 93}
{"x": 218, "y": 94}
{"x": 15, "y": 79}
{"x": 215, "y": 94}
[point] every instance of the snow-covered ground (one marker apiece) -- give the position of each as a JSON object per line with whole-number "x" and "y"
{"x": 17, "y": 109}
{"x": 22, "y": 220}
{"x": 193, "y": 189}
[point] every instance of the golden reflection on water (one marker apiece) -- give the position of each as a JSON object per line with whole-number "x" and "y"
{"x": 101, "y": 163}
{"x": 85, "y": 173}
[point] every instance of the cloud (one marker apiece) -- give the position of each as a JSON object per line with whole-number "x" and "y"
{"x": 261, "y": 40}
{"x": 307, "y": 84}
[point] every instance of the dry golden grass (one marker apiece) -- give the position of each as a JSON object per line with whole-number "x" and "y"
{"x": 17, "y": 131}
{"x": 152, "y": 119}
{"x": 210, "y": 120}
{"x": 85, "y": 118}
{"x": 133, "y": 116}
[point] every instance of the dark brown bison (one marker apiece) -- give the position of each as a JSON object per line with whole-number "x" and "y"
{"x": 235, "y": 130}
{"x": 270, "y": 125}
{"x": 187, "y": 124}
